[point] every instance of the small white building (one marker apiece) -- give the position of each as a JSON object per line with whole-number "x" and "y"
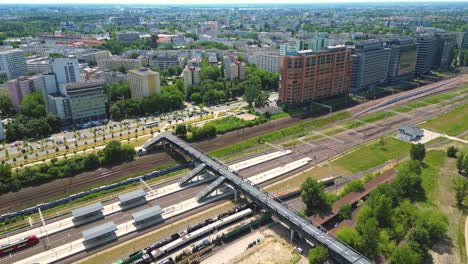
{"x": 410, "y": 133}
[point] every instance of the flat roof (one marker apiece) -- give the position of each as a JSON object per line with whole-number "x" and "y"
{"x": 99, "y": 230}
{"x": 147, "y": 213}
{"x": 88, "y": 209}
{"x": 140, "y": 193}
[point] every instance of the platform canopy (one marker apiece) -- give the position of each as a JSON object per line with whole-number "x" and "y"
{"x": 100, "y": 230}
{"x": 148, "y": 213}
{"x": 88, "y": 209}
{"x": 131, "y": 196}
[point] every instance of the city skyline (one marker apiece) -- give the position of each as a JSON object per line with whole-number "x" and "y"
{"x": 214, "y": 2}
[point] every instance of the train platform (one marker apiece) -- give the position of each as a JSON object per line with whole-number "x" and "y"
{"x": 128, "y": 227}
{"x": 258, "y": 160}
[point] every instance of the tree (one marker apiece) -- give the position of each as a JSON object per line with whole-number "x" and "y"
{"x": 262, "y": 99}
{"x": 345, "y": 212}
{"x": 404, "y": 254}
{"x": 408, "y": 184}
{"x": 418, "y": 152}
{"x": 181, "y": 131}
{"x": 452, "y": 152}
{"x": 313, "y": 195}
{"x": 351, "y": 237}
{"x": 434, "y": 221}
{"x": 251, "y": 92}
{"x": 461, "y": 164}
{"x": 112, "y": 152}
{"x": 33, "y": 105}
{"x": 318, "y": 255}
{"x": 419, "y": 239}
{"x": 5, "y": 173}
{"x": 460, "y": 186}
{"x": 6, "y": 106}
{"x": 370, "y": 233}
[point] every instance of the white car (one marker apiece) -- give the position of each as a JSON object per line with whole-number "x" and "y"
{"x": 299, "y": 250}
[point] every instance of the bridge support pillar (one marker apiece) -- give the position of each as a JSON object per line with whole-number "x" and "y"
{"x": 235, "y": 195}
{"x": 291, "y": 234}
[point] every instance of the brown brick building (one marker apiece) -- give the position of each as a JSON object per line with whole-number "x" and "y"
{"x": 315, "y": 75}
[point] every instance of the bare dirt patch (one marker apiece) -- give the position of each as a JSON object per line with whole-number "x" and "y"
{"x": 247, "y": 116}
{"x": 271, "y": 250}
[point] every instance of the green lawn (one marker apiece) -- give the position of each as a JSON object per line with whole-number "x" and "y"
{"x": 299, "y": 129}
{"x": 452, "y": 123}
{"x": 368, "y": 119}
{"x": 372, "y": 155}
{"x": 434, "y": 160}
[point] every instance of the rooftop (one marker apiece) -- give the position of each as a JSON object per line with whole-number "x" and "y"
{"x": 88, "y": 209}
{"x": 99, "y": 230}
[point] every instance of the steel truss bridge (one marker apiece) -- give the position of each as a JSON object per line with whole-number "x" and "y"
{"x": 340, "y": 251}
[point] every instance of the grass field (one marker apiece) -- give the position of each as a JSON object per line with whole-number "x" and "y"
{"x": 374, "y": 154}
{"x": 298, "y": 129}
{"x": 437, "y": 178}
{"x": 452, "y": 123}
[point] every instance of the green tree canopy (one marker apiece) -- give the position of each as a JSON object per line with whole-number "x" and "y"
{"x": 318, "y": 255}
{"x": 313, "y": 195}
{"x": 33, "y": 105}
{"x": 418, "y": 152}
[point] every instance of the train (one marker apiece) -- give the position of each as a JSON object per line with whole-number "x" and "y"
{"x": 158, "y": 250}
{"x": 19, "y": 244}
{"x": 67, "y": 199}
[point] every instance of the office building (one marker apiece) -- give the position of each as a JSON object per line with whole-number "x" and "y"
{"x": 294, "y": 46}
{"x": 38, "y": 65}
{"x": 22, "y": 86}
{"x": 402, "y": 62}
{"x": 144, "y": 83}
{"x": 66, "y": 70}
{"x": 370, "y": 62}
{"x": 465, "y": 39}
{"x": 164, "y": 62}
{"x": 446, "y": 42}
{"x": 94, "y": 55}
{"x": 127, "y": 36}
{"x": 426, "y": 51}
{"x": 12, "y": 63}
{"x": 314, "y": 75}
{"x": 116, "y": 62}
{"x": 79, "y": 101}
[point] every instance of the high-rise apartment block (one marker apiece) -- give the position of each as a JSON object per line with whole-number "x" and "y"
{"x": 144, "y": 83}
{"x": 370, "y": 65}
{"x": 314, "y": 75}
{"x": 294, "y": 46}
{"x": 22, "y": 86}
{"x": 191, "y": 76}
{"x": 269, "y": 62}
{"x": 12, "y": 63}
{"x": 227, "y": 61}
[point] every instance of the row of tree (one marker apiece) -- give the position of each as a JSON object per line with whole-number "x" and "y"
{"x": 33, "y": 121}
{"x": 113, "y": 153}
{"x": 170, "y": 99}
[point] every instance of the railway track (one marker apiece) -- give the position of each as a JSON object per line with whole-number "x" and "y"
{"x": 37, "y": 194}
